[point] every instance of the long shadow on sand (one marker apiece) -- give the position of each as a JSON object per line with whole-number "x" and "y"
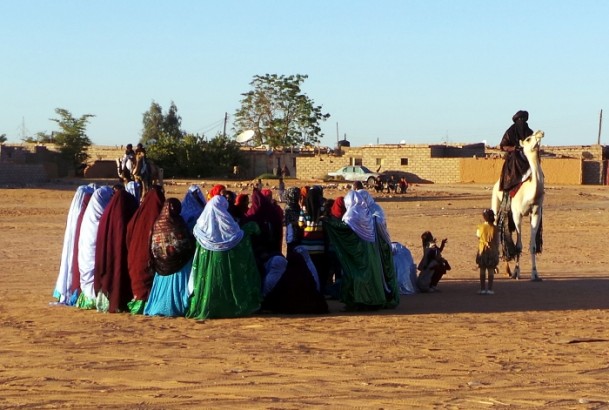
{"x": 431, "y": 198}
{"x": 460, "y": 296}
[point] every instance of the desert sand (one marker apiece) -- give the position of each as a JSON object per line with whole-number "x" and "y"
{"x": 531, "y": 345}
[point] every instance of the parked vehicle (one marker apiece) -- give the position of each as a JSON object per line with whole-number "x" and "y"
{"x": 355, "y": 173}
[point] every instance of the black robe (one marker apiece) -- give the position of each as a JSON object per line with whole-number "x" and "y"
{"x": 516, "y": 164}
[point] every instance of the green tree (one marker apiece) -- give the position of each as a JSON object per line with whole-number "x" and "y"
{"x": 181, "y": 154}
{"x": 223, "y": 153}
{"x": 41, "y": 137}
{"x": 172, "y": 122}
{"x": 166, "y": 152}
{"x": 72, "y": 138}
{"x": 279, "y": 113}
{"x": 2, "y": 138}
{"x": 153, "y": 124}
{"x": 193, "y": 156}
{"x": 158, "y": 125}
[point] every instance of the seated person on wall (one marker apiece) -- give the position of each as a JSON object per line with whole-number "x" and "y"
{"x": 402, "y": 186}
{"x": 391, "y": 185}
{"x": 378, "y": 185}
{"x": 357, "y": 185}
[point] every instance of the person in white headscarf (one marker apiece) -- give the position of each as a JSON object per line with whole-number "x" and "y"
{"x": 63, "y": 287}
{"x": 358, "y": 216}
{"x": 369, "y": 280}
{"x": 377, "y": 213}
{"x": 225, "y": 281}
{"x": 87, "y": 244}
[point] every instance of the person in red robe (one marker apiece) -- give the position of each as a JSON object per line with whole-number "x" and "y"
{"x": 139, "y": 257}
{"x": 111, "y": 281}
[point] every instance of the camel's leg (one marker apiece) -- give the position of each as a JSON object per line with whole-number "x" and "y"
{"x": 160, "y": 173}
{"x": 143, "y": 188}
{"x": 535, "y": 221}
{"x": 517, "y": 221}
{"x": 496, "y": 198}
{"x": 516, "y": 272}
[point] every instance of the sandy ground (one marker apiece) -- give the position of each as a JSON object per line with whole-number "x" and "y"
{"x": 530, "y": 345}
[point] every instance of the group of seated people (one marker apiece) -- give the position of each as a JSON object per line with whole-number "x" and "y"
{"x": 391, "y": 185}
{"x": 227, "y": 255}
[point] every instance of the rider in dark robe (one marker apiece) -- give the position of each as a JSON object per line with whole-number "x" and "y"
{"x": 516, "y": 164}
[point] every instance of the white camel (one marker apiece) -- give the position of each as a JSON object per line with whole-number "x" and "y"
{"x": 527, "y": 201}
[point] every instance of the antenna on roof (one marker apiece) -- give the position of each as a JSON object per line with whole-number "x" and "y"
{"x": 600, "y": 126}
{"x": 23, "y": 130}
{"x": 337, "y": 135}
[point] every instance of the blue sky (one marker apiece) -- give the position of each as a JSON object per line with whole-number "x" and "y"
{"x": 421, "y": 71}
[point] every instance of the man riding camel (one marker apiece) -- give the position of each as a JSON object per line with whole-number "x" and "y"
{"x": 516, "y": 166}
{"x": 127, "y": 163}
{"x": 140, "y": 155}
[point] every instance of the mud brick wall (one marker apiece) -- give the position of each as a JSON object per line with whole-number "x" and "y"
{"x": 421, "y": 163}
{"x": 557, "y": 171}
{"x": 258, "y": 162}
{"x": 422, "y": 167}
{"x": 105, "y": 152}
{"x": 22, "y": 174}
{"x": 414, "y": 160}
{"x": 592, "y": 156}
{"x": 101, "y": 169}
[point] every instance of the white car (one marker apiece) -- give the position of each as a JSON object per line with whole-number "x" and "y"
{"x": 355, "y": 173}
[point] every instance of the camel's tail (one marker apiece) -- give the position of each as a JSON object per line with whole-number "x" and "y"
{"x": 506, "y": 226}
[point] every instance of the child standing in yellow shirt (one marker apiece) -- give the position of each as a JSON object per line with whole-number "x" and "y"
{"x": 488, "y": 251}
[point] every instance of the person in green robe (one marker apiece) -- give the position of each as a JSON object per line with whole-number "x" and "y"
{"x": 369, "y": 279}
{"x": 224, "y": 281}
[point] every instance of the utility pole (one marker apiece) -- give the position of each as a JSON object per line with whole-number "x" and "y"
{"x": 23, "y": 130}
{"x": 337, "y": 137}
{"x": 225, "y": 121}
{"x": 600, "y": 126}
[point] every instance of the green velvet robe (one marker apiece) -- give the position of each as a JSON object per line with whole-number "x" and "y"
{"x": 366, "y": 266}
{"x": 226, "y": 283}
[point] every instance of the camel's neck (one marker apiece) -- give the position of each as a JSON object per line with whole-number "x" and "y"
{"x": 534, "y": 163}
{"x": 536, "y": 173}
